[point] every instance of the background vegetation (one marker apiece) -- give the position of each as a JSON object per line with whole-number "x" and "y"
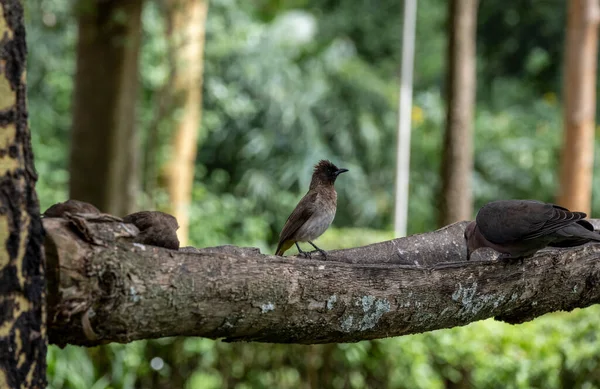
{"x": 287, "y": 83}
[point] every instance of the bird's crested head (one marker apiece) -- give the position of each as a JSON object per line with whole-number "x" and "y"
{"x": 325, "y": 173}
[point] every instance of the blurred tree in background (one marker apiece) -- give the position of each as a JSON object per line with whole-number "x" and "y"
{"x": 186, "y": 21}
{"x": 579, "y": 97}
{"x": 456, "y": 199}
{"x": 104, "y": 164}
{"x": 287, "y": 83}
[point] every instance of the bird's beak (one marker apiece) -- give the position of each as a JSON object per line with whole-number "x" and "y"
{"x": 340, "y": 171}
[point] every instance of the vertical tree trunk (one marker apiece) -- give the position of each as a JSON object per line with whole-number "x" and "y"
{"x": 187, "y": 21}
{"x": 579, "y": 88}
{"x": 457, "y": 163}
{"x": 409, "y": 22}
{"x": 23, "y": 340}
{"x": 104, "y": 149}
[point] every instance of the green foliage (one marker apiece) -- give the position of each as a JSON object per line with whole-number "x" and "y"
{"x": 221, "y": 213}
{"x": 272, "y": 107}
{"x": 555, "y": 351}
{"x": 51, "y": 33}
{"x": 521, "y": 40}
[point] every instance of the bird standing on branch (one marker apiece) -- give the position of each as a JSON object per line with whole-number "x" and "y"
{"x": 519, "y": 228}
{"x": 314, "y": 213}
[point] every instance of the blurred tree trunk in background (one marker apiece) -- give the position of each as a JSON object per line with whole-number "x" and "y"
{"x": 456, "y": 200}
{"x": 104, "y": 146}
{"x": 23, "y": 341}
{"x": 187, "y": 22}
{"x": 579, "y": 91}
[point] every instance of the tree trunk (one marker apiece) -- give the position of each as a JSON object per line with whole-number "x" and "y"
{"x": 187, "y": 20}
{"x": 23, "y": 339}
{"x": 579, "y": 88}
{"x": 104, "y": 289}
{"x": 457, "y": 163}
{"x": 104, "y": 148}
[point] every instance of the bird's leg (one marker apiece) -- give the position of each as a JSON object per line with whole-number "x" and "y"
{"x": 318, "y": 249}
{"x": 306, "y": 254}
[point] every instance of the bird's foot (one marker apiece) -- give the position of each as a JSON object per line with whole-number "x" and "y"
{"x": 306, "y": 254}
{"x": 322, "y": 252}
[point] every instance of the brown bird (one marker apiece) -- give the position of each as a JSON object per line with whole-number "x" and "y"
{"x": 519, "y": 228}
{"x": 314, "y": 213}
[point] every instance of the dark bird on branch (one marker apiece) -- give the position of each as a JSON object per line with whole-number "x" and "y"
{"x": 519, "y": 228}
{"x": 314, "y": 213}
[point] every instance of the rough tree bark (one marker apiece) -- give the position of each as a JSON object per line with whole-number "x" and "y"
{"x": 103, "y": 289}
{"x": 103, "y": 165}
{"x": 187, "y": 20}
{"x": 23, "y": 339}
{"x": 457, "y": 161}
{"x": 579, "y": 90}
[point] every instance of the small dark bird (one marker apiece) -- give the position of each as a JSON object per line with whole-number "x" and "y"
{"x": 519, "y": 228}
{"x": 314, "y": 213}
{"x": 156, "y": 228}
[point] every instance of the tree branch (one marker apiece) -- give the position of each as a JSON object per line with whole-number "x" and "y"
{"x": 102, "y": 288}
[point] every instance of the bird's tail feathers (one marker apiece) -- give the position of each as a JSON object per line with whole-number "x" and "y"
{"x": 585, "y": 232}
{"x": 575, "y": 235}
{"x": 283, "y": 246}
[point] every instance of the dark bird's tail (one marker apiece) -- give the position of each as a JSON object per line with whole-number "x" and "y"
{"x": 576, "y": 234}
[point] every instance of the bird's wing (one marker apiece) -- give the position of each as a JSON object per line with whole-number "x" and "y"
{"x": 510, "y": 221}
{"x": 303, "y": 211}
{"x": 555, "y": 219}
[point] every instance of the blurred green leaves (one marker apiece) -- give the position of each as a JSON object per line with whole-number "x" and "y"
{"x": 283, "y": 91}
{"x": 561, "y": 350}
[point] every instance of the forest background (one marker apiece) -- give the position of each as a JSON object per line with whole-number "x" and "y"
{"x": 286, "y": 83}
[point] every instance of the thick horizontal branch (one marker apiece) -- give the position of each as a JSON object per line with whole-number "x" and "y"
{"x": 103, "y": 288}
